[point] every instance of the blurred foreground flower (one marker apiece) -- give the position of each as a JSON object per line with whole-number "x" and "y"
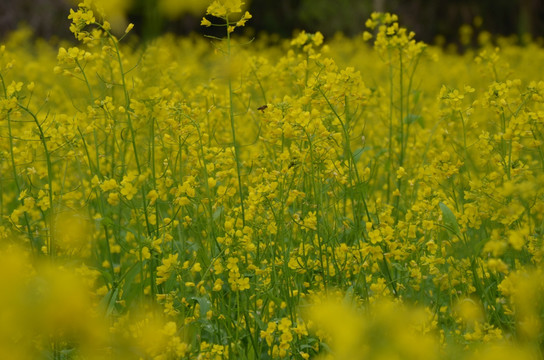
{"x": 47, "y": 310}
{"x": 383, "y": 330}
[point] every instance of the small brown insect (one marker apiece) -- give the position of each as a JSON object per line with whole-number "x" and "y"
{"x": 262, "y": 108}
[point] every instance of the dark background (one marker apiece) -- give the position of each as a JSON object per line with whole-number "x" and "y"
{"x": 427, "y": 18}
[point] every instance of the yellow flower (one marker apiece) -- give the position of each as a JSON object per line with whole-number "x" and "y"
{"x": 310, "y": 221}
{"x": 218, "y": 285}
{"x": 108, "y": 185}
{"x": 128, "y": 190}
{"x": 146, "y": 254}
{"x": 244, "y": 18}
{"x": 243, "y": 284}
{"x": 401, "y": 172}
{"x": 222, "y": 8}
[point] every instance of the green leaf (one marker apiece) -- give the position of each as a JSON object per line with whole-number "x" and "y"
{"x": 109, "y": 300}
{"x": 415, "y": 96}
{"x": 349, "y": 296}
{"x": 450, "y": 222}
{"x": 412, "y": 118}
{"x": 358, "y": 152}
{"x": 205, "y": 304}
{"x": 106, "y": 221}
{"x": 217, "y": 213}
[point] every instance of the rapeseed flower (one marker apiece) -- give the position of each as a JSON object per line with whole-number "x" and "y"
{"x": 250, "y": 199}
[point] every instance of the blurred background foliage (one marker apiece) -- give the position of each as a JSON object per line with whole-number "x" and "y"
{"x": 428, "y": 18}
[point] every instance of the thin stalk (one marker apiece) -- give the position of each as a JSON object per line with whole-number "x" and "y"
{"x": 390, "y": 152}
{"x": 347, "y": 149}
{"x": 318, "y": 212}
{"x": 233, "y": 130}
{"x": 50, "y": 243}
{"x": 208, "y": 192}
{"x": 13, "y": 167}
{"x": 131, "y": 128}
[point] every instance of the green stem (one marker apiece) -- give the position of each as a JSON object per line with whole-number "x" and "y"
{"x": 233, "y": 130}
{"x": 50, "y": 243}
{"x": 131, "y": 128}
{"x": 13, "y": 167}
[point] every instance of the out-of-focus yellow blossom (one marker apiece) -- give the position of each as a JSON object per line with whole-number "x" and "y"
{"x": 386, "y": 330}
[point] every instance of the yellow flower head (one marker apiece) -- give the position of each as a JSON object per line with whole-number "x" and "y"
{"x": 222, "y": 8}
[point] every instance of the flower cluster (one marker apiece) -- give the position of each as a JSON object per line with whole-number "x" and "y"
{"x": 223, "y": 9}
{"x": 311, "y": 199}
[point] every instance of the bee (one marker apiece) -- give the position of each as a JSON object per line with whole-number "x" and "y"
{"x": 262, "y": 108}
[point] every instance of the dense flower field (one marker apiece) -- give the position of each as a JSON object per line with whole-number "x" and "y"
{"x": 214, "y": 198}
